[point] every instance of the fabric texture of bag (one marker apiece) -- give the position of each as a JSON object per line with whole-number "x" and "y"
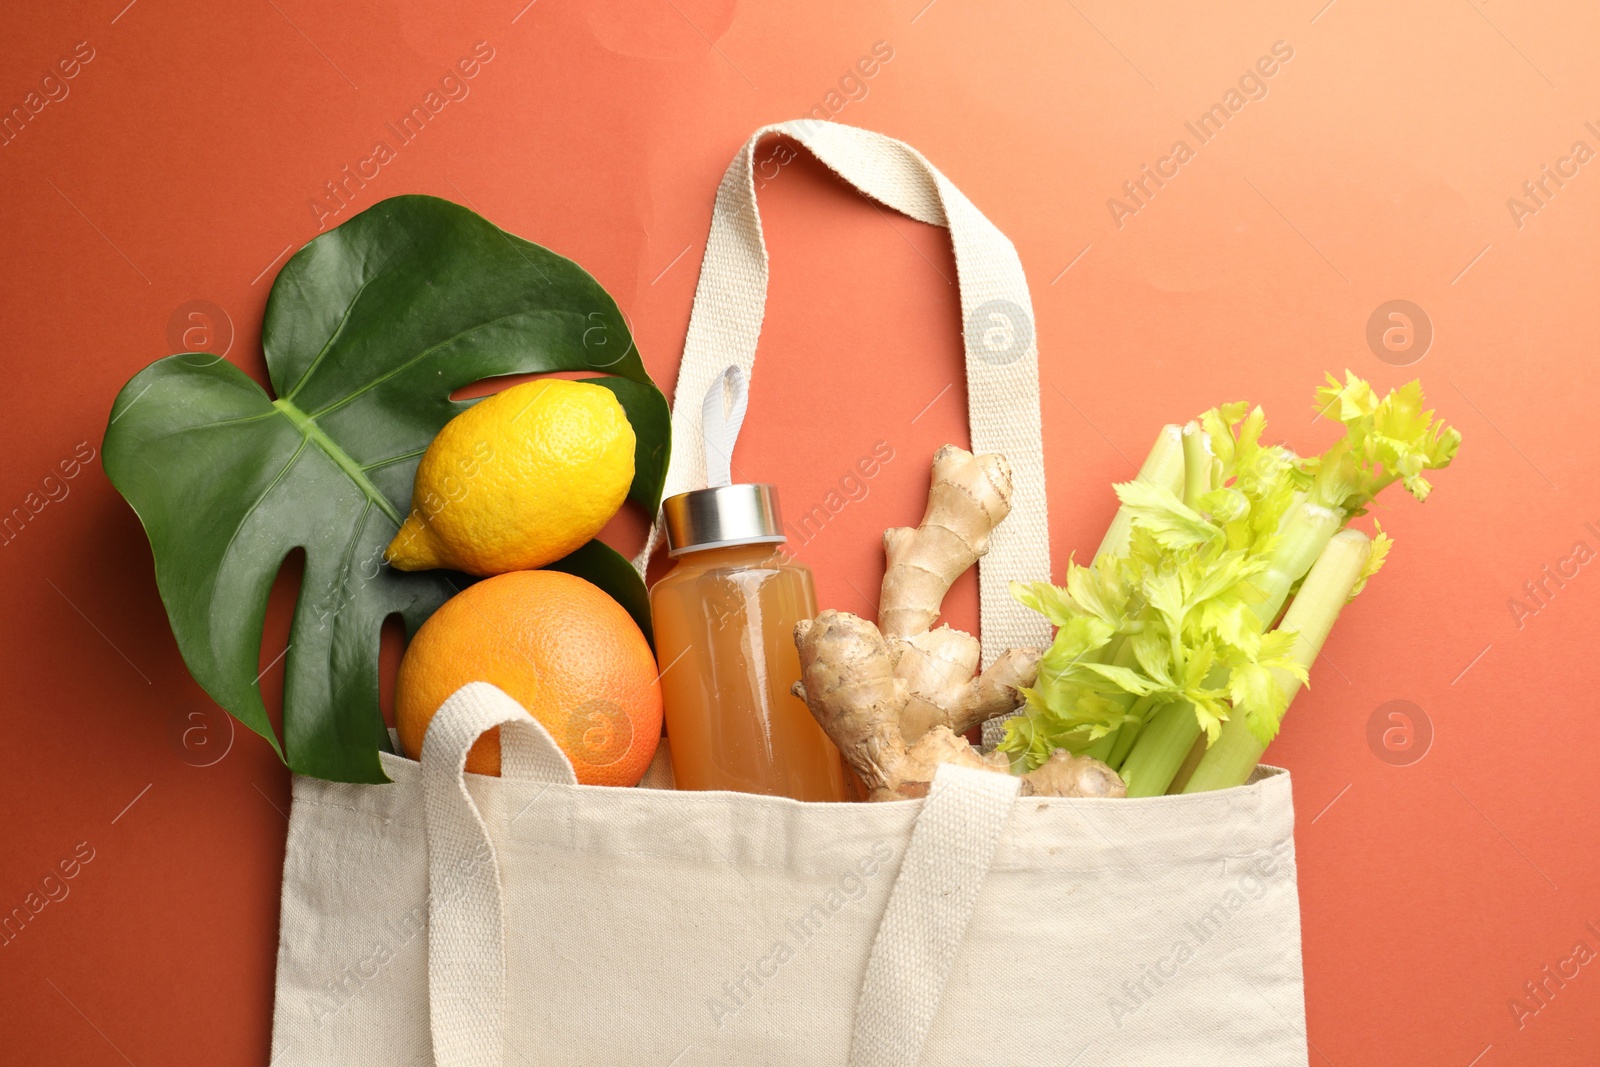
{"x": 459, "y": 920}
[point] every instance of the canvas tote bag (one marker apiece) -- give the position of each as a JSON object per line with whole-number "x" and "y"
{"x": 464, "y": 921}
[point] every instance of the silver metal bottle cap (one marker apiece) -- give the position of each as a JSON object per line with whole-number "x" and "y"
{"x": 722, "y": 516}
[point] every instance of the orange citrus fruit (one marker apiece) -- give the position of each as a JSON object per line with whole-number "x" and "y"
{"x": 559, "y": 646}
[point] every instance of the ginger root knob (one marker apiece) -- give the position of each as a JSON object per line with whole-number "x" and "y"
{"x": 1066, "y": 775}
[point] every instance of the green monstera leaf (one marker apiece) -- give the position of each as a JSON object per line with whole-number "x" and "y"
{"x": 368, "y": 329}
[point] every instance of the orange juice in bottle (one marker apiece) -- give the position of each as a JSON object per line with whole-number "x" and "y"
{"x": 724, "y": 620}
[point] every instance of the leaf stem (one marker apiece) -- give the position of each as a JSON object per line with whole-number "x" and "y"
{"x": 312, "y": 432}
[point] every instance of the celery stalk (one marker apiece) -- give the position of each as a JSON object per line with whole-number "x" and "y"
{"x": 1165, "y": 743}
{"x": 1160, "y": 750}
{"x": 1121, "y": 656}
{"x": 1231, "y": 760}
{"x": 1163, "y": 467}
{"x": 1101, "y": 749}
{"x": 1186, "y": 769}
{"x": 1302, "y": 538}
{"x": 1196, "y": 464}
{"x": 1325, "y": 591}
{"x": 1129, "y": 733}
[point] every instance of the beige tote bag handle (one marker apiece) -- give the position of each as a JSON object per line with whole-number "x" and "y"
{"x": 997, "y": 316}
{"x": 952, "y": 846}
{"x": 466, "y": 910}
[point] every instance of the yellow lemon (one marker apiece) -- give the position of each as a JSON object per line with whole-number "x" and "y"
{"x": 518, "y": 480}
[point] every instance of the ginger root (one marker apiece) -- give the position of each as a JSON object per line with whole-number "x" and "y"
{"x": 969, "y": 497}
{"x": 1066, "y": 775}
{"x": 896, "y": 697}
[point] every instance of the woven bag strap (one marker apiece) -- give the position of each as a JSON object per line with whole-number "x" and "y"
{"x": 996, "y": 311}
{"x": 466, "y": 909}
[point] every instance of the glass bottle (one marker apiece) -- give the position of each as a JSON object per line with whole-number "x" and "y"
{"x": 724, "y": 620}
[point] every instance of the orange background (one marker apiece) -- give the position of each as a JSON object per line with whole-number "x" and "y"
{"x": 1377, "y": 167}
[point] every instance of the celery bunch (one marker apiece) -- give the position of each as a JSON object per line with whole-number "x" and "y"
{"x": 1166, "y": 638}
